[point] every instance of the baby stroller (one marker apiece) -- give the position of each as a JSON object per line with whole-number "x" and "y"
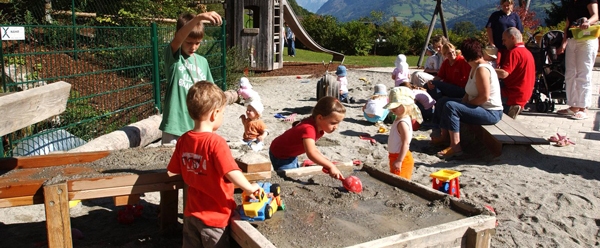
{"x": 549, "y": 85}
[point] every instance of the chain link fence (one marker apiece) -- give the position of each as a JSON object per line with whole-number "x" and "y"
{"x": 111, "y": 54}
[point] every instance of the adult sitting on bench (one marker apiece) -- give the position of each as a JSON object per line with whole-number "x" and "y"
{"x": 517, "y": 69}
{"x": 452, "y": 77}
{"x": 432, "y": 64}
{"x": 481, "y": 104}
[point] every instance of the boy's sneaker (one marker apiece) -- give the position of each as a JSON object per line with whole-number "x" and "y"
{"x": 513, "y": 111}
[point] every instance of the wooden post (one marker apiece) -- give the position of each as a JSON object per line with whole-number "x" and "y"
{"x": 58, "y": 221}
{"x": 478, "y": 237}
{"x": 168, "y": 209}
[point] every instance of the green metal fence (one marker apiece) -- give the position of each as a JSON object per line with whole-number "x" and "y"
{"x": 116, "y": 76}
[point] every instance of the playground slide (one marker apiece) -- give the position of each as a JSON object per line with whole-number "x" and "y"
{"x": 301, "y": 34}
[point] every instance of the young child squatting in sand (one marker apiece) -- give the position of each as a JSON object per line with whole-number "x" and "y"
{"x": 255, "y": 130}
{"x": 204, "y": 160}
{"x": 373, "y": 109}
{"x": 301, "y": 138}
{"x": 402, "y": 104}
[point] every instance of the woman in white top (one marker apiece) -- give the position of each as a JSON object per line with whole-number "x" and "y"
{"x": 481, "y": 104}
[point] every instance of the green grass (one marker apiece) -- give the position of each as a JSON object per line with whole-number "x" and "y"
{"x": 367, "y": 61}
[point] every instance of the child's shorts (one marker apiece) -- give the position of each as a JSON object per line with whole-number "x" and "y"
{"x": 197, "y": 234}
{"x": 406, "y": 169}
{"x": 283, "y": 164}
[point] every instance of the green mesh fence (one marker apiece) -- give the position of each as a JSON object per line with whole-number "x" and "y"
{"x": 116, "y": 72}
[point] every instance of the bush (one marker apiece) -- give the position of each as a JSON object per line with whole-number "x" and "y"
{"x": 237, "y": 62}
{"x": 356, "y": 38}
{"x": 323, "y": 30}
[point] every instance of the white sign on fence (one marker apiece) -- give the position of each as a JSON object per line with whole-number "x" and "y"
{"x": 12, "y": 33}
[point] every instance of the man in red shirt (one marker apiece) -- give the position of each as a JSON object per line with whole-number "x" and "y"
{"x": 517, "y": 69}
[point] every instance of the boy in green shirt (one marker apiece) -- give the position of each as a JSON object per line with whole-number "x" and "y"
{"x": 183, "y": 68}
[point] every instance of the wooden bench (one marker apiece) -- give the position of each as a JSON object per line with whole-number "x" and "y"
{"x": 506, "y": 132}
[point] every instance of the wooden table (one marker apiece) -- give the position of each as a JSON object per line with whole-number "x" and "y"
{"x": 47, "y": 180}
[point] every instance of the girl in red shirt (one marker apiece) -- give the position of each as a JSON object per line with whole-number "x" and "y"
{"x": 301, "y": 138}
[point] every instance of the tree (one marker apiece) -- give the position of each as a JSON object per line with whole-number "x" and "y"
{"x": 417, "y": 25}
{"x": 464, "y": 28}
{"x": 556, "y": 13}
{"x": 527, "y": 18}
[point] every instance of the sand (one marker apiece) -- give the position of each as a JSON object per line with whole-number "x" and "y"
{"x": 541, "y": 200}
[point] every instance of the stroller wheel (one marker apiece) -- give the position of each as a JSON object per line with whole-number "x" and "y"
{"x": 551, "y": 105}
{"x": 542, "y": 107}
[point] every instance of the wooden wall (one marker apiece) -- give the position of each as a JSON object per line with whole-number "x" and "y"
{"x": 260, "y": 43}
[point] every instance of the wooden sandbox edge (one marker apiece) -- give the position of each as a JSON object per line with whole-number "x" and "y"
{"x": 451, "y": 234}
{"x": 459, "y": 205}
{"x": 247, "y": 236}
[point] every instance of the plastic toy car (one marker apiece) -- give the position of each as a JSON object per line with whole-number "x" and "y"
{"x": 267, "y": 202}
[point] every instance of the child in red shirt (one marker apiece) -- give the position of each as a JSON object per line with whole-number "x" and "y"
{"x": 205, "y": 162}
{"x": 301, "y": 138}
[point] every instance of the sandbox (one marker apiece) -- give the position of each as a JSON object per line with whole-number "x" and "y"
{"x": 389, "y": 212}
{"x": 320, "y": 212}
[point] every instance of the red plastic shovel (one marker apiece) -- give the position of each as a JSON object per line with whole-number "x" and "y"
{"x": 351, "y": 183}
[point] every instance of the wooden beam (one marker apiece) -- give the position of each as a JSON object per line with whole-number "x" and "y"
{"x": 169, "y": 203}
{"x": 121, "y": 180}
{"x": 58, "y": 221}
{"x": 21, "y": 201}
{"x": 316, "y": 170}
{"x": 428, "y": 193}
{"x": 124, "y": 190}
{"x": 27, "y": 182}
{"x": 22, "y": 109}
{"x": 253, "y": 162}
{"x": 247, "y": 236}
{"x": 50, "y": 160}
{"x": 447, "y": 235}
{"x": 122, "y": 200}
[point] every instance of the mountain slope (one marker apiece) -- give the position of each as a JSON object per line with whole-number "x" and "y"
{"x": 408, "y": 11}
{"x": 311, "y": 5}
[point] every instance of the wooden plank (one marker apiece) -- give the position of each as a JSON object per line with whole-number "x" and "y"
{"x": 169, "y": 203}
{"x": 490, "y": 142}
{"x": 58, "y": 221}
{"x": 27, "y": 182}
{"x": 122, "y": 200}
{"x": 514, "y": 134}
{"x": 498, "y": 134}
{"x": 122, "y": 180}
{"x": 254, "y": 167}
{"x": 257, "y": 176}
{"x": 123, "y": 190}
{"x": 260, "y": 167}
{"x": 478, "y": 237}
{"x": 50, "y": 160}
{"x": 28, "y": 107}
{"x": 316, "y": 170}
{"x": 533, "y": 137}
{"x": 247, "y": 236}
{"x": 21, "y": 201}
{"x": 447, "y": 235}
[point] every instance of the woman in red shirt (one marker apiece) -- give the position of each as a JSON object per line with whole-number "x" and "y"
{"x": 452, "y": 76}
